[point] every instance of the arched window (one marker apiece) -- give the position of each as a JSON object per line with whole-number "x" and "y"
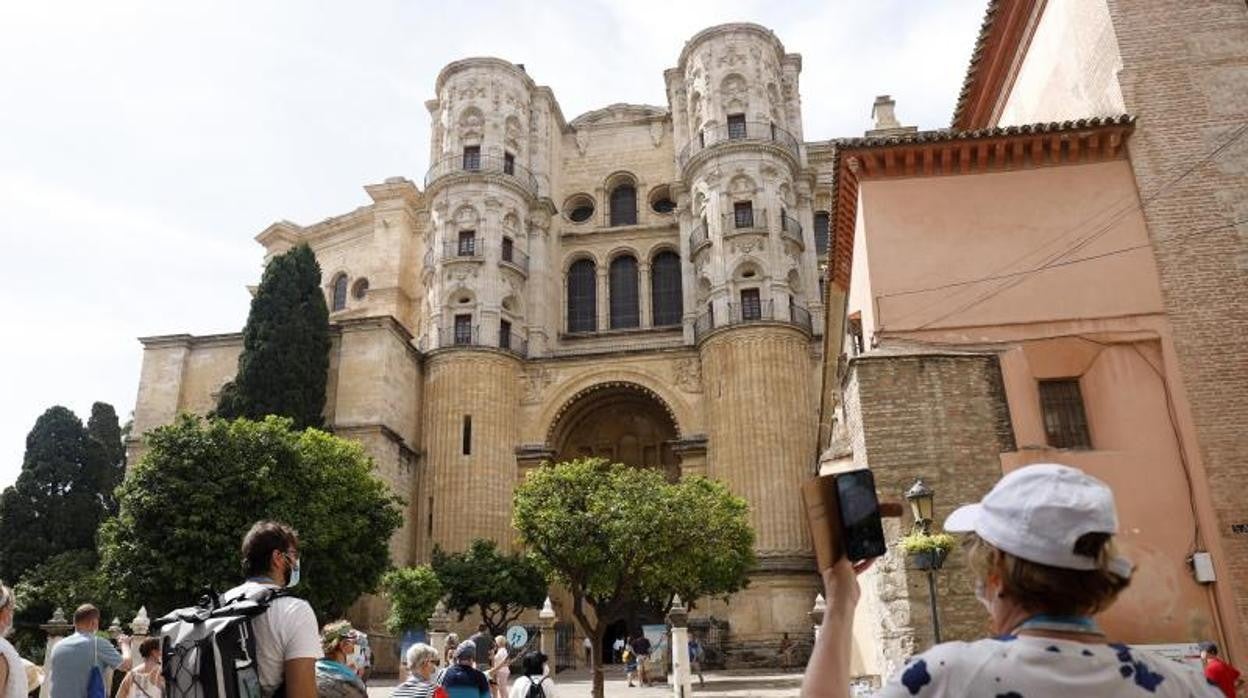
{"x": 624, "y": 205}
{"x": 625, "y": 310}
{"x": 340, "y": 292}
{"x": 665, "y": 292}
{"x": 582, "y": 297}
{"x": 821, "y": 232}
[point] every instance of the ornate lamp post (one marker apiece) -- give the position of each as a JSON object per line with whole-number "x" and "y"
{"x": 922, "y": 501}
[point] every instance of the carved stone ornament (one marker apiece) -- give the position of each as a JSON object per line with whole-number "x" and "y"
{"x": 582, "y": 142}
{"x": 687, "y": 375}
{"x": 656, "y": 133}
{"x": 533, "y": 383}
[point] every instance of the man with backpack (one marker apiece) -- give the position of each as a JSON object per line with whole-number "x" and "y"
{"x": 288, "y": 642}
{"x": 79, "y": 659}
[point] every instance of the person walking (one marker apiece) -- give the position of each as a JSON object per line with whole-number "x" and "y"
{"x": 536, "y": 676}
{"x": 76, "y": 658}
{"x": 617, "y": 650}
{"x": 484, "y": 644}
{"x": 499, "y": 668}
{"x": 695, "y": 658}
{"x": 641, "y": 647}
{"x": 1040, "y": 547}
{"x": 335, "y": 677}
{"x": 144, "y": 681}
{"x": 462, "y": 679}
{"x": 1218, "y": 672}
{"x": 630, "y": 662}
{"x": 12, "y": 671}
{"x": 287, "y": 641}
{"x": 422, "y": 663}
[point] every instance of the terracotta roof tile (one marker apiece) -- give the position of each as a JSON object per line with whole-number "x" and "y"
{"x": 984, "y": 30}
{"x": 946, "y": 134}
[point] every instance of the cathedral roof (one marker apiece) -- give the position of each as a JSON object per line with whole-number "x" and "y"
{"x": 620, "y": 113}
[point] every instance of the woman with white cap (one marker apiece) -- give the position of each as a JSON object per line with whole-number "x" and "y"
{"x": 1040, "y": 546}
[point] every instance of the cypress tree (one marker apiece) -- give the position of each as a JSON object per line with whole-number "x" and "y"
{"x": 285, "y": 357}
{"x": 55, "y": 505}
{"x": 105, "y": 432}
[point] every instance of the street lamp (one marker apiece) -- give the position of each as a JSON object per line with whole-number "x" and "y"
{"x": 922, "y": 504}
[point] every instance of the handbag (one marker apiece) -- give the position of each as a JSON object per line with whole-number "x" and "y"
{"x": 95, "y": 680}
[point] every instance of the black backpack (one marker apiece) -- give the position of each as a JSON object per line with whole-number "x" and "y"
{"x": 209, "y": 650}
{"x": 535, "y": 687}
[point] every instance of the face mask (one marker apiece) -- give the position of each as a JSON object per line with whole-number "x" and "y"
{"x": 355, "y": 660}
{"x": 293, "y": 578}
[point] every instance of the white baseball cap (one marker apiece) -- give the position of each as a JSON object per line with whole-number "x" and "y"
{"x": 1038, "y": 512}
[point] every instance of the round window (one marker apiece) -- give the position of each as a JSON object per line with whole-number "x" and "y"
{"x": 360, "y": 289}
{"x": 579, "y": 208}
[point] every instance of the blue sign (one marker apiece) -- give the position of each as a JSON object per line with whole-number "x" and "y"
{"x": 517, "y": 636}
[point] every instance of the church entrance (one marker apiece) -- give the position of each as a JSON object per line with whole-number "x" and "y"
{"x": 622, "y": 422}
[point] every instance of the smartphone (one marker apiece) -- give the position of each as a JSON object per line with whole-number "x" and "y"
{"x": 862, "y": 533}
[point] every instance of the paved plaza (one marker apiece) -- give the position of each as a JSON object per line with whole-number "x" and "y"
{"x": 719, "y": 684}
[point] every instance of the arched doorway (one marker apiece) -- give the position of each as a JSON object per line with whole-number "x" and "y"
{"x": 623, "y": 422}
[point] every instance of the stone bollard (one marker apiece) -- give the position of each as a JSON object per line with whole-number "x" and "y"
{"x": 546, "y": 628}
{"x": 138, "y": 633}
{"x": 439, "y": 623}
{"x": 57, "y": 628}
{"x": 682, "y": 678}
{"x": 817, "y": 613}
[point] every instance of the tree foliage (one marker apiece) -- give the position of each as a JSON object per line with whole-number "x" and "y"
{"x": 105, "y": 430}
{"x": 614, "y": 535}
{"x": 202, "y": 483}
{"x": 65, "y": 581}
{"x": 413, "y": 593}
{"x": 282, "y": 370}
{"x": 57, "y": 504}
{"x": 499, "y": 586}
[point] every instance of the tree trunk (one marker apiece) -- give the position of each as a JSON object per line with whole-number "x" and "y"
{"x": 594, "y": 633}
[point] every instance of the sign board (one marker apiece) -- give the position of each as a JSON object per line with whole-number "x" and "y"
{"x": 1187, "y": 653}
{"x": 517, "y": 636}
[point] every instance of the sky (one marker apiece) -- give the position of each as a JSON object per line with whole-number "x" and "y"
{"x": 143, "y": 145}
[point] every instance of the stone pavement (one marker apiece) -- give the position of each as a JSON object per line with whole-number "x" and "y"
{"x": 719, "y": 684}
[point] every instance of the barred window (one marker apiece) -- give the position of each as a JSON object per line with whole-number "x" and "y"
{"x": 467, "y": 243}
{"x": 736, "y": 126}
{"x": 463, "y": 329}
{"x": 821, "y": 232}
{"x": 1065, "y": 423}
{"x": 509, "y": 250}
{"x": 472, "y": 157}
{"x": 665, "y": 291}
{"x": 743, "y": 214}
{"x": 751, "y": 305}
{"x": 582, "y": 297}
{"x": 625, "y": 309}
{"x": 624, "y": 205}
{"x": 340, "y": 292}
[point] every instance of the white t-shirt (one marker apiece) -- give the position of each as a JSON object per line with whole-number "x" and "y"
{"x": 1032, "y": 667}
{"x": 520, "y": 687}
{"x": 287, "y": 630}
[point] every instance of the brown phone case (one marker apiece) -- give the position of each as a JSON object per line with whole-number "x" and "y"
{"x": 823, "y": 514}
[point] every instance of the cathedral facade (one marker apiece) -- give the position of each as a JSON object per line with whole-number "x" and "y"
{"x": 639, "y": 283}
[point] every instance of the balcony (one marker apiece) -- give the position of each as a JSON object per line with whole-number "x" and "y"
{"x": 739, "y": 314}
{"x": 465, "y": 250}
{"x": 481, "y": 164}
{"x": 752, "y": 220}
{"x": 749, "y": 131}
{"x": 698, "y": 237}
{"x": 450, "y": 336}
{"x": 791, "y": 229}
{"x": 514, "y": 258}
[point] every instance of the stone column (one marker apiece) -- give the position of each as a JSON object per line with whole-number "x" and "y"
{"x": 546, "y": 626}
{"x": 603, "y": 320}
{"x": 816, "y": 614}
{"x": 646, "y": 319}
{"x": 438, "y": 625}
{"x": 57, "y": 628}
{"x": 682, "y": 680}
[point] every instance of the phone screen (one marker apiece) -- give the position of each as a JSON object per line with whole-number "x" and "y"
{"x": 860, "y": 515}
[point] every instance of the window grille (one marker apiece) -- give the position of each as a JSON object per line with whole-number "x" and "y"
{"x": 624, "y": 205}
{"x": 463, "y": 329}
{"x": 751, "y": 305}
{"x": 736, "y": 126}
{"x": 665, "y": 289}
{"x": 1065, "y": 423}
{"x": 472, "y": 157}
{"x": 582, "y": 297}
{"x": 467, "y": 243}
{"x": 743, "y": 214}
{"x": 509, "y": 248}
{"x": 625, "y": 309}
{"x": 821, "y": 232}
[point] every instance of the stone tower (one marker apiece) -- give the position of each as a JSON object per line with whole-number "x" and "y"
{"x": 748, "y": 239}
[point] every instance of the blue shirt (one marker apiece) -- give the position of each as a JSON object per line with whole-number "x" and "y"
{"x": 72, "y": 659}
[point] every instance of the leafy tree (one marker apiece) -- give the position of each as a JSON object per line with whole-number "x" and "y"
{"x": 615, "y": 536}
{"x": 105, "y": 430}
{"x": 202, "y": 483}
{"x": 413, "y": 593}
{"x": 282, "y": 369}
{"x": 64, "y": 581}
{"x": 55, "y": 505}
{"x": 499, "y": 586}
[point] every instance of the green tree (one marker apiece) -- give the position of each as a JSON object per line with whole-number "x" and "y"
{"x": 55, "y": 505}
{"x": 413, "y": 593}
{"x": 282, "y": 369}
{"x": 202, "y": 483}
{"x": 499, "y": 586}
{"x": 65, "y": 580}
{"x": 615, "y": 536}
{"x": 105, "y": 430}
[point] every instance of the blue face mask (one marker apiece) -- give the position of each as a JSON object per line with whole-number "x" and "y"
{"x": 292, "y": 578}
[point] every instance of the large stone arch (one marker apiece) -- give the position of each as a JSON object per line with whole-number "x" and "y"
{"x": 681, "y": 411}
{"x": 621, "y": 421}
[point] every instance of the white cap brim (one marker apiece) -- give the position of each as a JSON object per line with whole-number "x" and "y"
{"x": 963, "y": 519}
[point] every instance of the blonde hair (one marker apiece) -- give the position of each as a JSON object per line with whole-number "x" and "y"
{"x": 1045, "y": 589}
{"x": 334, "y": 633}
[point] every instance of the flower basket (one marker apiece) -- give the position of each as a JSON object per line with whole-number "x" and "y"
{"x": 929, "y": 559}
{"x": 927, "y": 551}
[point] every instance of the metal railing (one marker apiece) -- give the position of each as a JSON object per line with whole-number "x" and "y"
{"x": 451, "y": 336}
{"x": 742, "y": 313}
{"x": 790, "y": 228}
{"x": 516, "y": 258}
{"x": 514, "y": 343}
{"x": 482, "y": 164}
{"x": 755, "y": 219}
{"x": 699, "y": 236}
{"x": 463, "y": 249}
{"x": 759, "y": 131}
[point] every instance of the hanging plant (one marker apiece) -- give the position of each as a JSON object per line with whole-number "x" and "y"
{"x": 927, "y": 550}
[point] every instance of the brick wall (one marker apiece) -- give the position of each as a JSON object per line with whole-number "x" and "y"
{"x": 1185, "y": 75}
{"x": 943, "y": 418}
